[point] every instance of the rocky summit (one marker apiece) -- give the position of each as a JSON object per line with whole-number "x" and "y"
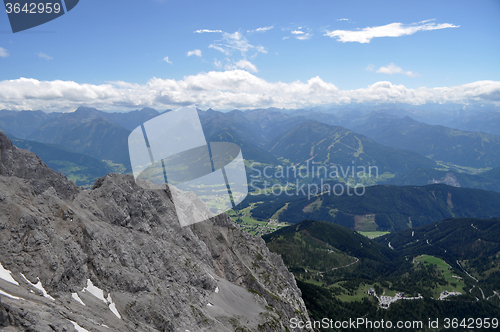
{"x": 114, "y": 258}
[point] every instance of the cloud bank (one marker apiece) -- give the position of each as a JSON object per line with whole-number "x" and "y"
{"x": 389, "y": 30}
{"x": 226, "y": 90}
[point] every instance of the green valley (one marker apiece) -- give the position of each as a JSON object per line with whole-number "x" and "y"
{"x": 344, "y": 274}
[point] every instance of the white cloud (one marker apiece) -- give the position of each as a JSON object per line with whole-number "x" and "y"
{"x": 243, "y": 64}
{"x": 304, "y": 37}
{"x": 261, "y": 49}
{"x": 285, "y": 38}
{"x": 194, "y": 52}
{"x": 44, "y": 56}
{"x": 342, "y": 19}
{"x": 301, "y": 35}
{"x": 390, "y": 30}
{"x": 238, "y": 42}
{"x": 167, "y": 60}
{"x": 233, "y": 42}
{"x": 226, "y": 90}
{"x": 263, "y": 29}
{"x": 393, "y": 69}
{"x": 220, "y": 49}
{"x": 206, "y": 30}
{"x": 3, "y": 53}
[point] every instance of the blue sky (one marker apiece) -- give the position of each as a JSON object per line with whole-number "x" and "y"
{"x": 129, "y": 54}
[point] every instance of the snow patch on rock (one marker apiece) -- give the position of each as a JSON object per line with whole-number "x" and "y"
{"x": 10, "y": 296}
{"x": 6, "y": 275}
{"x": 39, "y": 286}
{"x": 78, "y": 327}
{"x": 77, "y": 298}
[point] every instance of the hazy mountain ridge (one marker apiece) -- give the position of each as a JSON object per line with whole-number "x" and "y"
{"x": 473, "y": 149}
{"x": 79, "y": 168}
{"x": 326, "y": 144}
{"x": 133, "y": 119}
{"x": 487, "y": 122}
{"x": 272, "y": 123}
{"x": 25, "y": 165}
{"x": 87, "y": 133}
{"x": 216, "y": 122}
{"x": 22, "y": 123}
{"x": 249, "y": 150}
{"x": 391, "y": 208}
{"x": 489, "y": 180}
{"x": 259, "y": 125}
{"x": 104, "y": 136}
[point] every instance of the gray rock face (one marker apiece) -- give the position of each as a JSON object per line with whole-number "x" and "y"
{"x": 26, "y": 165}
{"x": 114, "y": 258}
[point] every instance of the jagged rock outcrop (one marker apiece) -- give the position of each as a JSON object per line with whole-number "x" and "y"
{"x": 26, "y": 165}
{"x": 114, "y": 258}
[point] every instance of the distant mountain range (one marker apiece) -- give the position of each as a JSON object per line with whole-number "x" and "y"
{"x": 249, "y": 150}
{"x": 79, "y": 168}
{"x": 21, "y": 124}
{"x": 439, "y": 143}
{"x": 129, "y": 120}
{"x": 258, "y": 126}
{"x": 325, "y": 144}
{"x": 396, "y": 146}
{"x": 468, "y": 118}
{"x": 87, "y": 131}
{"x": 389, "y": 208}
{"x": 489, "y": 180}
{"x": 472, "y": 149}
{"x": 487, "y": 122}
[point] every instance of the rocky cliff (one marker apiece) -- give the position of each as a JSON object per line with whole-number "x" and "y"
{"x": 114, "y": 258}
